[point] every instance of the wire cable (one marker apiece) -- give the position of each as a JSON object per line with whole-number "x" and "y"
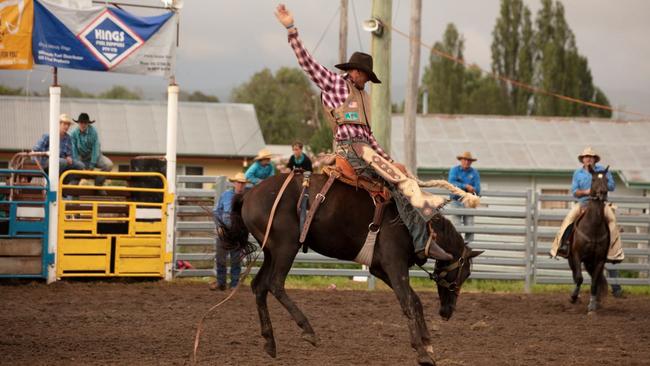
{"x": 325, "y": 31}
{"x": 356, "y": 22}
{"x": 517, "y": 83}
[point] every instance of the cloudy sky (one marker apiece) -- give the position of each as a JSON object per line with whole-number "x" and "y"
{"x": 224, "y": 42}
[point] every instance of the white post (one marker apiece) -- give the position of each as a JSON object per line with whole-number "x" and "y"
{"x": 55, "y": 111}
{"x": 172, "y": 127}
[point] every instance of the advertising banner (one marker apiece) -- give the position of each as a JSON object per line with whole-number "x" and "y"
{"x": 16, "y": 34}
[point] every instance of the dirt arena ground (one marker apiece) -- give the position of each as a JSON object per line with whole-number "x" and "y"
{"x": 153, "y": 323}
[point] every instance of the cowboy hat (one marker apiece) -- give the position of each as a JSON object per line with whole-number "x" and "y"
{"x": 263, "y": 154}
{"x": 65, "y": 118}
{"x": 83, "y": 117}
{"x": 467, "y": 156}
{"x": 588, "y": 151}
{"x": 360, "y": 61}
{"x": 239, "y": 178}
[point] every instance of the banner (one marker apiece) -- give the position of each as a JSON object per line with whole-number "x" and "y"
{"x": 16, "y": 34}
{"x": 103, "y": 39}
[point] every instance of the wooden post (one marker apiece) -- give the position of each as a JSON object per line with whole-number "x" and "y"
{"x": 380, "y": 93}
{"x": 411, "y": 102}
{"x": 343, "y": 32}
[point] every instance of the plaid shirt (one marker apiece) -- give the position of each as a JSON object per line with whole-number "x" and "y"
{"x": 334, "y": 92}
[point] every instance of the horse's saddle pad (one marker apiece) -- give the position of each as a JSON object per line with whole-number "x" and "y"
{"x": 343, "y": 171}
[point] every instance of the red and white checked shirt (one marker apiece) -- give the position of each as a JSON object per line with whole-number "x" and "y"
{"x": 334, "y": 93}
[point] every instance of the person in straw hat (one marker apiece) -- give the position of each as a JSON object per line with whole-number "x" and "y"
{"x": 580, "y": 188}
{"x": 66, "y": 162}
{"x": 347, "y": 108}
{"x": 221, "y": 214}
{"x": 466, "y": 178}
{"x": 261, "y": 167}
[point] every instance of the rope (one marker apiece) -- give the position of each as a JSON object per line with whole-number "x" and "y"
{"x": 249, "y": 267}
{"x": 356, "y": 22}
{"x": 516, "y": 83}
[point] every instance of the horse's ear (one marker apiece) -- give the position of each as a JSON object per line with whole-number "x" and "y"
{"x": 606, "y": 169}
{"x": 476, "y": 253}
{"x": 591, "y": 169}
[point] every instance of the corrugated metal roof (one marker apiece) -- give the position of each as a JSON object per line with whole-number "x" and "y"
{"x": 528, "y": 143}
{"x": 139, "y": 127}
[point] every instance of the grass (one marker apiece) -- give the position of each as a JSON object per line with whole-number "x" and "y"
{"x": 426, "y": 285}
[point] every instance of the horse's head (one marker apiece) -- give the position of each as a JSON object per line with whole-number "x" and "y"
{"x": 598, "y": 184}
{"x": 450, "y": 275}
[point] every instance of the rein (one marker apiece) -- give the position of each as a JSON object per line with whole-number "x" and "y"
{"x": 248, "y": 267}
{"x": 439, "y": 274}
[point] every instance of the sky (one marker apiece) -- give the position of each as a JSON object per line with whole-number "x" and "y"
{"x": 224, "y": 42}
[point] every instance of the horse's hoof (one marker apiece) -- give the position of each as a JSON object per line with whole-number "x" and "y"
{"x": 269, "y": 347}
{"x": 574, "y": 299}
{"x": 311, "y": 338}
{"x": 591, "y": 309}
{"x": 425, "y": 359}
{"x": 429, "y": 350}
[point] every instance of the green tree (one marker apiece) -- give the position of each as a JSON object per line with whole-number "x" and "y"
{"x": 197, "y": 96}
{"x": 443, "y": 78}
{"x": 119, "y": 92}
{"x": 5, "y": 90}
{"x": 483, "y": 94}
{"x": 512, "y": 52}
{"x": 68, "y": 91}
{"x": 287, "y": 107}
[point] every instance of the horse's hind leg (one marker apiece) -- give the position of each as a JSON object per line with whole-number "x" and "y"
{"x": 280, "y": 272}
{"x": 574, "y": 263}
{"x": 260, "y": 287}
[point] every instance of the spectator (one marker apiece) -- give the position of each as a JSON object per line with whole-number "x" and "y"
{"x": 224, "y": 249}
{"x": 466, "y": 178}
{"x": 261, "y": 168}
{"x": 66, "y": 162}
{"x": 299, "y": 160}
{"x": 86, "y": 147}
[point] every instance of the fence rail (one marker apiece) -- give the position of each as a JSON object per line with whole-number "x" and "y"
{"x": 515, "y": 229}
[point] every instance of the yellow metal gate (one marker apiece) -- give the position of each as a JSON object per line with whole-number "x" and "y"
{"x": 118, "y": 229}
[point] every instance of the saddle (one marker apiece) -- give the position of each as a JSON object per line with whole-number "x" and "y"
{"x": 343, "y": 171}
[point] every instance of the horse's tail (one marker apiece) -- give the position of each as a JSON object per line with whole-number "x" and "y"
{"x": 235, "y": 234}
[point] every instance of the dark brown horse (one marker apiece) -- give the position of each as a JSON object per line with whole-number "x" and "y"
{"x": 591, "y": 242}
{"x": 339, "y": 230}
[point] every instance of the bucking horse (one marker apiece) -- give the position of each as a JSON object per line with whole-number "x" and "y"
{"x": 338, "y": 230}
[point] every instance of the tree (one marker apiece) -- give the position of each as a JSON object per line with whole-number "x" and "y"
{"x": 512, "y": 52}
{"x": 119, "y": 92}
{"x": 286, "y": 105}
{"x": 483, "y": 94}
{"x": 5, "y": 90}
{"x": 197, "y": 96}
{"x": 443, "y": 78}
{"x": 68, "y": 91}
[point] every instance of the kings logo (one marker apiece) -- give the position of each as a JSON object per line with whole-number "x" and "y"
{"x": 109, "y": 39}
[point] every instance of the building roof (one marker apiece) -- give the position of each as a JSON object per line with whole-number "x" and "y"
{"x": 139, "y": 127}
{"x": 528, "y": 144}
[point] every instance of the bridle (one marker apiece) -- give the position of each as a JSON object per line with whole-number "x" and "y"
{"x": 439, "y": 275}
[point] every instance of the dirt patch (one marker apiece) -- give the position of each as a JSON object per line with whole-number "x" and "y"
{"x": 153, "y": 323}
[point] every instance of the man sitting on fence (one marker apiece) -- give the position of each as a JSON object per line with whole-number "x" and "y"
{"x": 86, "y": 147}
{"x": 262, "y": 168}
{"x": 66, "y": 162}
{"x": 580, "y": 189}
{"x": 466, "y": 178}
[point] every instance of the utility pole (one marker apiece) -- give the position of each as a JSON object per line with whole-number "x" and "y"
{"x": 380, "y": 93}
{"x": 411, "y": 102}
{"x": 343, "y": 32}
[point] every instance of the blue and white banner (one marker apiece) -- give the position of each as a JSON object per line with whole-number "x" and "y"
{"x": 103, "y": 39}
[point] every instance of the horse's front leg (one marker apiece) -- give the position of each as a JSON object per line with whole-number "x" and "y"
{"x": 597, "y": 277}
{"x": 400, "y": 283}
{"x": 576, "y": 269}
{"x": 421, "y": 323}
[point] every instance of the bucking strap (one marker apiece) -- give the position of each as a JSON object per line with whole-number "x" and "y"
{"x": 320, "y": 198}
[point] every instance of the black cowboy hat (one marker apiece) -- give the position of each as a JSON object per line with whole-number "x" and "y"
{"x": 84, "y": 117}
{"x": 360, "y": 61}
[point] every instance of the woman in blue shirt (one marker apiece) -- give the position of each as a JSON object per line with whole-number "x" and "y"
{"x": 261, "y": 168}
